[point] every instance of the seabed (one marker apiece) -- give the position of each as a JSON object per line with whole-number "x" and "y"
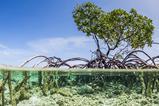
{"x": 78, "y": 87}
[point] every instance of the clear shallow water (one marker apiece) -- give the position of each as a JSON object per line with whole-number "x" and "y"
{"x": 48, "y": 89}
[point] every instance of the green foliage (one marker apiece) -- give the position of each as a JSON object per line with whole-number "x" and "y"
{"x": 114, "y": 27}
{"x": 87, "y": 17}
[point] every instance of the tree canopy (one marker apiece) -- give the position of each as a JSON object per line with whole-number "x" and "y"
{"x": 115, "y": 28}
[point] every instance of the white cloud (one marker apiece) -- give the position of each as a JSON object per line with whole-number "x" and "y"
{"x": 2, "y": 46}
{"x": 59, "y": 46}
{"x": 11, "y": 56}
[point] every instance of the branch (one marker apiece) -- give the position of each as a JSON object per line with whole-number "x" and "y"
{"x": 108, "y": 46}
{"x": 115, "y": 46}
{"x": 98, "y": 51}
{"x": 96, "y": 41}
{"x": 121, "y": 50}
{"x": 156, "y": 43}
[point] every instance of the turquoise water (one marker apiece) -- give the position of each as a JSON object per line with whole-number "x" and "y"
{"x": 48, "y": 89}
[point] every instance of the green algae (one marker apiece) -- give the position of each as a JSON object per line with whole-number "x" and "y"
{"x": 71, "y": 90}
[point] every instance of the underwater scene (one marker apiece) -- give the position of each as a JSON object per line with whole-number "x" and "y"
{"x": 37, "y": 88}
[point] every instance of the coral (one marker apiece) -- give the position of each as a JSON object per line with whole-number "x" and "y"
{"x": 62, "y": 91}
{"x": 85, "y": 89}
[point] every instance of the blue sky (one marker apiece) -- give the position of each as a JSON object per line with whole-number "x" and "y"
{"x": 46, "y": 27}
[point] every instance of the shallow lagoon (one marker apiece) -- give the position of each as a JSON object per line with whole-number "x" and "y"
{"x": 48, "y": 89}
